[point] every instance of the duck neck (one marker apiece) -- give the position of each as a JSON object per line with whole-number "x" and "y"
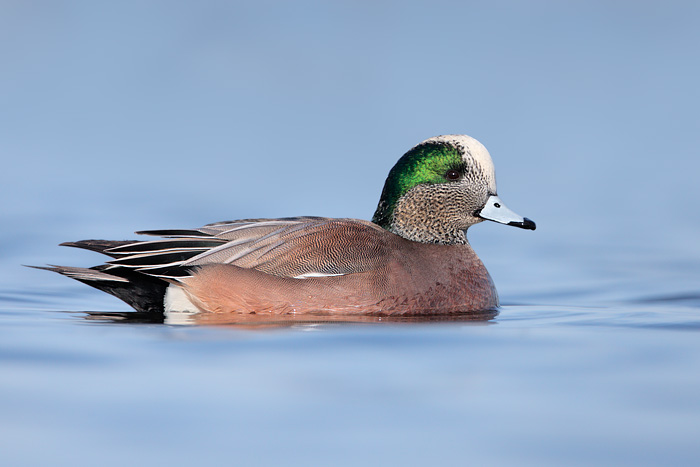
{"x": 427, "y": 231}
{"x": 413, "y": 219}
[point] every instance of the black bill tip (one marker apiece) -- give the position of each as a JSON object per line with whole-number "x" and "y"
{"x": 525, "y": 224}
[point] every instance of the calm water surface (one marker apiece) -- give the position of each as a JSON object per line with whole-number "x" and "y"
{"x": 596, "y": 366}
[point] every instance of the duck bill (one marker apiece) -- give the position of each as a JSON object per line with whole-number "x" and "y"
{"x": 495, "y": 210}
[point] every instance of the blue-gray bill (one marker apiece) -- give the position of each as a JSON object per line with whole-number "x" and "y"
{"x": 495, "y": 210}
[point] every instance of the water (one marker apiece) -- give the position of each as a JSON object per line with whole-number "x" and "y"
{"x": 576, "y": 375}
{"x": 527, "y": 390}
{"x": 230, "y": 110}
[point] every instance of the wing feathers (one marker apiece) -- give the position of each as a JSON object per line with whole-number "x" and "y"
{"x": 173, "y": 233}
{"x": 82, "y": 274}
{"x": 174, "y": 244}
{"x": 298, "y": 247}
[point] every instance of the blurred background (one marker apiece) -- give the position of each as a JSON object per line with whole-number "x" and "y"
{"x": 121, "y": 116}
{"x": 132, "y": 115}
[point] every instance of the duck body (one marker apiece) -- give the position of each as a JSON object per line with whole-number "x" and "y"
{"x": 384, "y": 274}
{"x": 413, "y": 259}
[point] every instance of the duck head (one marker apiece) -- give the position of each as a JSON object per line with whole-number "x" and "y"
{"x": 440, "y": 188}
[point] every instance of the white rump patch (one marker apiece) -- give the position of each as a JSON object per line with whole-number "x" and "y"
{"x": 176, "y": 300}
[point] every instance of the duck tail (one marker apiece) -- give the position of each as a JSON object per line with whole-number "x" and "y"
{"x": 141, "y": 292}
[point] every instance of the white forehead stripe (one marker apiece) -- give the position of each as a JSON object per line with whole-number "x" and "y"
{"x": 473, "y": 150}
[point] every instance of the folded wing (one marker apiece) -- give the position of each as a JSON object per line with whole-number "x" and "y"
{"x": 297, "y": 247}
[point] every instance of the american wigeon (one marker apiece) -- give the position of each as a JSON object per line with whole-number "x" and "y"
{"x": 413, "y": 258}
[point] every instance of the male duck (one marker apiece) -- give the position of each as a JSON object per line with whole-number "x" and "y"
{"x": 413, "y": 258}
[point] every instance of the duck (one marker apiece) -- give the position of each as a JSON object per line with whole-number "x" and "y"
{"x": 412, "y": 259}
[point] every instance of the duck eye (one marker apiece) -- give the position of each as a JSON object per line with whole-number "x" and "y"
{"x": 452, "y": 174}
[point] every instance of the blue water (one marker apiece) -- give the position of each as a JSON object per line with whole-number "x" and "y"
{"x": 603, "y": 371}
{"x": 539, "y": 386}
{"x": 121, "y": 117}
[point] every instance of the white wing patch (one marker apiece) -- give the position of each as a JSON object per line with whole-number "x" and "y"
{"x": 316, "y": 274}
